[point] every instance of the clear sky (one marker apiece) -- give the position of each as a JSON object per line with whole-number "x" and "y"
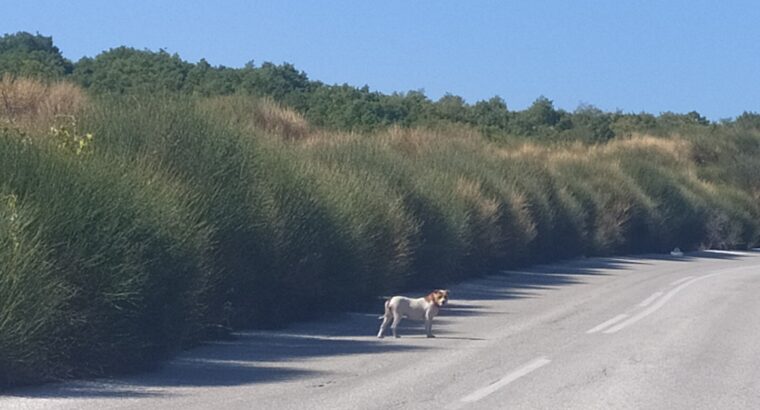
{"x": 653, "y": 56}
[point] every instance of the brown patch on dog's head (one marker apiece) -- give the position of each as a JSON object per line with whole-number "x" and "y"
{"x": 439, "y": 296}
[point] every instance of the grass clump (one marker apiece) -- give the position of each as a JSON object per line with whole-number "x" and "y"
{"x": 131, "y": 256}
{"x": 35, "y": 106}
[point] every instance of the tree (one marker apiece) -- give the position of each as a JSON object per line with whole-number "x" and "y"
{"x": 351, "y": 108}
{"x": 538, "y": 119}
{"x": 206, "y": 80}
{"x": 542, "y": 112}
{"x": 126, "y": 70}
{"x": 669, "y": 121}
{"x": 627, "y": 124}
{"x": 32, "y": 55}
{"x": 452, "y": 108}
{"x": 282, "y": 82}
{"x": 491, "y": 113}
{"x": 748, "y": 120}
{"x": 592, "y": 124}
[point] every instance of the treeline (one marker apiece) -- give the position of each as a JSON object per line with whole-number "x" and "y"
{"x": 125, "y": 70}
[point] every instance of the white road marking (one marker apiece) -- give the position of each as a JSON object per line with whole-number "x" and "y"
{"x": 684, "y": 279}
{"x": 660, "y": 303}
{"x": 648, "y": 301}
{"x": 509, "y": 378}
{"x": 733, "y": 253}
{"x": 607, "y": 323}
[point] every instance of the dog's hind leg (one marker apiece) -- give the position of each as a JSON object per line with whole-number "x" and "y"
{"x": 382, "y": 327}
{"x": 386, "y": 319}
{"x": 396, "y": 321}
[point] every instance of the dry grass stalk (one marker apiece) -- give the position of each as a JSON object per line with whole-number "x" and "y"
{"x": 34, "y": 106}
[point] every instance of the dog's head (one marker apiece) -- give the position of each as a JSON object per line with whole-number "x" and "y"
{"x": 439, "y": 296}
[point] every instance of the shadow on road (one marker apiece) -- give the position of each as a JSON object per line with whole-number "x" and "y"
{"x": 274, "y": 356}
{"x": 253, "y": 357}
{"x": 513, "y": 284}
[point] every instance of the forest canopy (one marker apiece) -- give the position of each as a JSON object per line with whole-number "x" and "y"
{"x": 126, "y": 70}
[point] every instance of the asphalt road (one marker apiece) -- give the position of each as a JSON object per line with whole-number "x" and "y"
{"x": 654, "y": 332}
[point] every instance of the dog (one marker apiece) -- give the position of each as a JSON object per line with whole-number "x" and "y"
{"x": 425, "y": 308}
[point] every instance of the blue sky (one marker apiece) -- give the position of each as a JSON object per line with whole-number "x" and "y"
{"x": 634, "y": 56}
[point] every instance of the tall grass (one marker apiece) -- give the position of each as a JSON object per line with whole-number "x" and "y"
{"x": 186, "y": 216}
{"x": 124, "y": 248}
{"x": 35, "y": 106}
{"x": 31, "y": 295}
{"x": 257, "y": 115}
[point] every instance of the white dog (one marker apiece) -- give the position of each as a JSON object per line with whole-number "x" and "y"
{"x": 415, "y": 309}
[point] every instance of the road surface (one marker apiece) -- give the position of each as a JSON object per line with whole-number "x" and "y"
{"x": 651, "y": 332}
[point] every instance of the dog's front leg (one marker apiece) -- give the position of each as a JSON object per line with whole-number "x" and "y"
{"x": 429, "y": 325}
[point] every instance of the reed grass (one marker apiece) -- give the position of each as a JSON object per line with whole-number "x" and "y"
{"x": 187, "y": 216}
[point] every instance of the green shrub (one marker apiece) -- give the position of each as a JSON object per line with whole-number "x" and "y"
{"x": 31, "y": 297}
{"x": 133, "y": 255}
